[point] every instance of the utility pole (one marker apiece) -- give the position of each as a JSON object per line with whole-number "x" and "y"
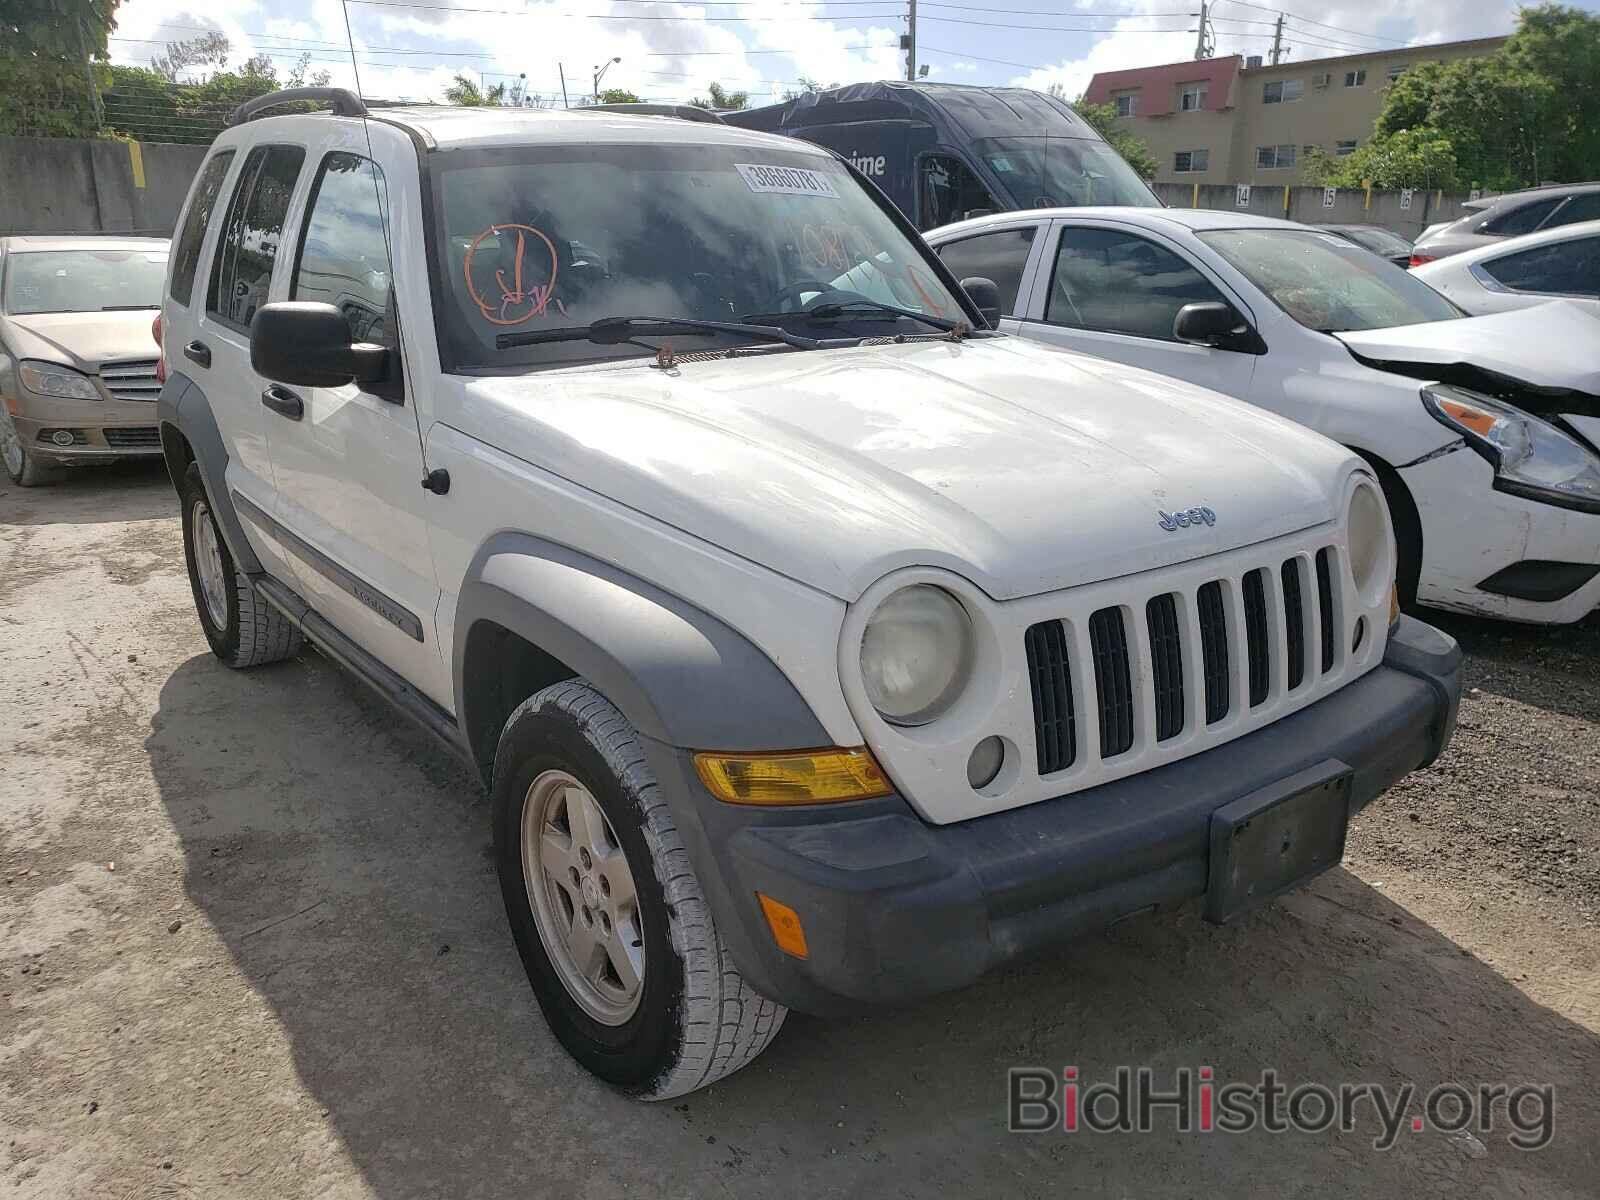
{"x": 911, "y": 42}
{"x": 562, "y": 71}
{"x": 1277, "y": 41}
{"x": 1202, "y": 44}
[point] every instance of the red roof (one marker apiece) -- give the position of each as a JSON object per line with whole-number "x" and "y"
{"x": 1158, "y": 85}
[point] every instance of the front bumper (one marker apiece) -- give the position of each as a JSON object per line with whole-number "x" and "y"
{"x": 895, "y": 908}
{"x": 1473, "y": 534}
{"x": 103, "y": 429}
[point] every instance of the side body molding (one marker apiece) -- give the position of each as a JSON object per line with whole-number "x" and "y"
{"x": 183, "y": 407}
{"x": 678, "y": 674}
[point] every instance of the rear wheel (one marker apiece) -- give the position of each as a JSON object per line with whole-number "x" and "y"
{"x": 243, "y": 629}
{"x": 613, "y": 928}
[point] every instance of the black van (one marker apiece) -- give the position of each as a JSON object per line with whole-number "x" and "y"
{"x": 945, "y": 151}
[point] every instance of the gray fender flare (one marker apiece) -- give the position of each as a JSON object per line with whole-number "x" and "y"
{"x": 183, "y": 407}
{"x": 680, "y": 675}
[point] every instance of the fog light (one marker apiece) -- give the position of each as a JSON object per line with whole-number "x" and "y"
{"x": 985, "y": 762}
{"x": 62, "y": 437}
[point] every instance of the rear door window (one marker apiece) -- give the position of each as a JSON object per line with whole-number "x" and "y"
{"x": 242, "y": 271}
{"x": 186, "y": 252}
{"x": 1559, "y": 269}
{"x": 1521, "y": 220}
{"x": 1000, "y": 256}
{"x": 1122, "y": 283}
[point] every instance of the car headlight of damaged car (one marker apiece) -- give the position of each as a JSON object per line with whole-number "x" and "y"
{"x": 916, "y": 654}
{"x": 1530, "y": 456}
{"x": 48, "y": 379}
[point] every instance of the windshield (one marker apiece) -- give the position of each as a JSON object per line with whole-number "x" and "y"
{"x": 1048, "y": 172}
{"x": 554, "y": 237}
{"x": 1379, "y": 240}
{"x": 1327, "y": 284}
{"x": 59, "y": 281}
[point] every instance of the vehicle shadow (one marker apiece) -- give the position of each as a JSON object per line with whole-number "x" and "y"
{"x": 1549, "y": 667}
{"x": 343, "y": 861}
{"x": 133, "y": 490}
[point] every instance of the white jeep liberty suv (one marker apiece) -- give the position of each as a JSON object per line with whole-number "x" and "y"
{"x": 819, "y": 647}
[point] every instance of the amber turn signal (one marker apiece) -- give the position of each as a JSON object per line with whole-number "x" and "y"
{"x": 785, "y": 925}
{"x": 793, "y": 777}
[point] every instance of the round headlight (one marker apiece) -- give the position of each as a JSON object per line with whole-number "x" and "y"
{"x": 1368, "y": 526}
{"x": 916, "y": 654}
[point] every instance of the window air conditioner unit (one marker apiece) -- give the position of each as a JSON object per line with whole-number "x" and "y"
{"x": 1321, "y": 81}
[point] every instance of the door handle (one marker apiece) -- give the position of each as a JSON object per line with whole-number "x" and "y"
{"x": 198, "y": 352}
{"x": 284, "y": 402}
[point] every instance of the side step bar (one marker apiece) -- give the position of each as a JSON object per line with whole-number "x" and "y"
{"x": 336, "y": 646}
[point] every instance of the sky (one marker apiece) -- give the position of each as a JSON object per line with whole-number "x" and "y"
{"x": 670, "y": 51}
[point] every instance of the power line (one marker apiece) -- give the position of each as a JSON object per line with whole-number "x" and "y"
{"x": 1336, "y": 28}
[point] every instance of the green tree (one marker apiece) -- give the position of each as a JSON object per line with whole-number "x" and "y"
{"x": 719, "y": 99}
{"x": 466, "y": 93}
{"x": 1102, "y": 118}
{"x": 618, "y": 96}
{"x": 1408, "y": 158}
{"x": 209, "y": 52}
{"x": 1527, "y": 114}
{"x": 807, "y": 86}
{"x": 51, "y": 65}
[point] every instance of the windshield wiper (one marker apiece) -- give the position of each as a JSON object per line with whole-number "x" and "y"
{"x": 840, "y": 308}
{"x": 617, "y": 331}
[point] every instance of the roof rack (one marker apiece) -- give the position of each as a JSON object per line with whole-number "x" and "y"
{"x": 343, "y": 101}
{"x": 684, "y": 112}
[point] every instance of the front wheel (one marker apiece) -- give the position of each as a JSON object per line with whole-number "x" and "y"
{"x": 614, "y": 931}
{"x": 22, "y": 465}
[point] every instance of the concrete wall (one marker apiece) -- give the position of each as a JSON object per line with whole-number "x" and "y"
{"x": 70, "y": 185}
{"x": 1351, "y": 206}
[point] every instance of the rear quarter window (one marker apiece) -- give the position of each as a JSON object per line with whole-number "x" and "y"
{"x": 186, "y": 251}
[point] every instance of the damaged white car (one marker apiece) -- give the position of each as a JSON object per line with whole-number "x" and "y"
{"x": 1483, "y": 430}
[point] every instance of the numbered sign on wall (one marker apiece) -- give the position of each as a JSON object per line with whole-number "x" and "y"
{"x": 1405, "y": 199}
{"x": 1328, "y": 195}
{"x": 1241, "y": 195}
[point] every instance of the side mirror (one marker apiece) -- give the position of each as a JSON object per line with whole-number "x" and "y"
{"x": 985, "y": 297}
{"x": 308, "y": 343}
{"x": 1208, "y": 323}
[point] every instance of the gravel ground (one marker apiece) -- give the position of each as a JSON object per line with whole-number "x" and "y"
{"x": 251, "y": 945}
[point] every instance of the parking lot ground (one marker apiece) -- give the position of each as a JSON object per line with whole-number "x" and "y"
{"x": 251, "y": 945}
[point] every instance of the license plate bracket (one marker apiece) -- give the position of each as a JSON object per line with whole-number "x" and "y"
{"x": 1276, "y": 838}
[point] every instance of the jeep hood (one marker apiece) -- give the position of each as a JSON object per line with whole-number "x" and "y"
{"x": 82, "y": 340}
{"x": 1551, "y": 347}
{"x": 1024, "y": 468}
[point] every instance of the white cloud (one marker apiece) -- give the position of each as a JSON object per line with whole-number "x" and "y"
{"x": 1337, "y": 29}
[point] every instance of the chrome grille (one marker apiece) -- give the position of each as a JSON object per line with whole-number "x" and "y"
{"x": 131, "y": 380}
{"x": 1208, "y": 653}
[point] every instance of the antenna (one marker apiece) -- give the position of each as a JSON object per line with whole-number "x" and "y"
{"x": 388, "y": 242}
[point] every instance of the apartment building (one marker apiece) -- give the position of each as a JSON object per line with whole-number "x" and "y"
{"x": 1235, "y": 120}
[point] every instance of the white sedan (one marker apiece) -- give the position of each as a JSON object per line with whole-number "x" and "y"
{"x": 1553, "y": 264}
{"x": 1483, "y": 430}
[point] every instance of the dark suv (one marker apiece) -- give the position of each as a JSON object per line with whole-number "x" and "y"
{"x": 1510, "y": 215}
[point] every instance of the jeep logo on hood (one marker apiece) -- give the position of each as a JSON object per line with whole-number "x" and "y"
{"x": 1186, "y": 517}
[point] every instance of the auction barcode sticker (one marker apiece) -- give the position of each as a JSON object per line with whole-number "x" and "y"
{"x": 787, "y": 181}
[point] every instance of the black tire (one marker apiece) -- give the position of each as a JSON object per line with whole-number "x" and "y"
{"x": 254, "y": 632}
{"x": 696, "y": 1020}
